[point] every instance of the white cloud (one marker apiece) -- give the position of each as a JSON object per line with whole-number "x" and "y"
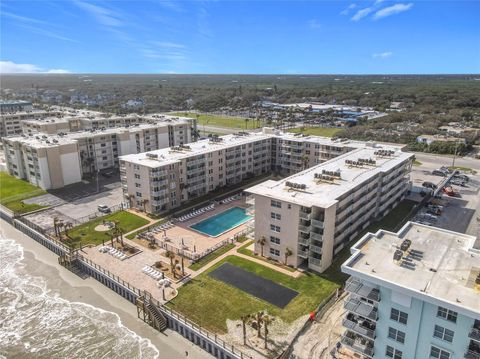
{"x": 383, "y": 55}
{"x": 314, "y": 24}
{"x": 348, "y": 8}
{"x": 392, "y": 10}
{"x": 10, "y": 67}
{"x": 101, "y": 14}
{"x": 360, "y": 14}
{"x": 170, "y": 45}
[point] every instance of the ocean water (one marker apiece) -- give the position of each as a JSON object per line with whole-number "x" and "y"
{"x": 36, "y": 322}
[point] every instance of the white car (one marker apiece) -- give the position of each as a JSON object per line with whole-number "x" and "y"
{"x": 103, "y": 208}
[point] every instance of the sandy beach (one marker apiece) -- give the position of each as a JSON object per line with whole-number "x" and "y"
{"x": 41, "y": 261}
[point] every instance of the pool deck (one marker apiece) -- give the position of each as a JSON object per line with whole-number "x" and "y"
{"x": 130, "y": 269}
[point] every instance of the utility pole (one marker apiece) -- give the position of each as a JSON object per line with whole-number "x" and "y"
{"x": 454, "y": 154}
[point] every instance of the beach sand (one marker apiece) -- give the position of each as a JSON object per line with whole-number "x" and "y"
{"x": 40, "y": 260}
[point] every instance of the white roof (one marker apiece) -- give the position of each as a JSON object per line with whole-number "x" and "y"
{"x": 444, "y": 271}
{"x": 323, "y": 193}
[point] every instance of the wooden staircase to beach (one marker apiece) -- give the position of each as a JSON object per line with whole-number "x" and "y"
{"x": 149, "y": 312}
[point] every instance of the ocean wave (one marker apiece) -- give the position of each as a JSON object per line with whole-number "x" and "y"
{"x": 35, "y": 321}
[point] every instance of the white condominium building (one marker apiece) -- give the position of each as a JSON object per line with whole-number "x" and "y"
{"x": 11, "y": 122}
{"x": 307, "y": 218}
{"x": 164, "y": 179}
{"x": 414, "y": 294}
{"x": 96, "y": 149}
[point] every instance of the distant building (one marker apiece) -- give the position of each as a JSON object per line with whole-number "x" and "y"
{"x": 459, "y": 130}
{"x": 11, "y": 122}
{"x": 429, "y": 139}
{"x": 413, "y": 294}
{"x": 15, "y": 106}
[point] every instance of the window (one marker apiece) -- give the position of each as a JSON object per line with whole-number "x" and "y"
{"x": 398, "y": 316}
{"x": 447, "y": 314}
{"x": 137, "y": 176}
{"x": 138, "y": 194}
{"x": 274, "y": 252}
{"x": 276, "y": 204}
{"x": 274, "y": 228}
{"x": 397, "y": 335}
{"x": 439, "y": 353}
{"x": 276, "y": 216}
{"x": 137, "y": 185}
{"x": 443, "y": 333}
{"x": 391, "y": 352}
{"x": 274, "y": 240}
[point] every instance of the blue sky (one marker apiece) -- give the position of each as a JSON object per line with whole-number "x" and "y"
{"x": 290, "y": 37}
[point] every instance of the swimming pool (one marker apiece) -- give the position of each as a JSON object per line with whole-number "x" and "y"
{"x": 222, "y": 222}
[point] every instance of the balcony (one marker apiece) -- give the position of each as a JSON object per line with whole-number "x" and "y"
{"x": 250, "y": 200}
{"x": 303, "y": 254}
{"x": 315, "y": 262}
{"x": 472, "y": 354}
{"x": 474, "y": 333}
{"x": 317, "y": 236}
{"x": 305, "y": 215}
{"x": 317, "y": 223}
{"x": 250, "y": 211}
{"x": 316, "y": 249}
{"x": 304, "y": 241}
{"x": 361, "y": 308}
{"x": 362, "y": 289}
{"x": 305, "y": 229}
{"x": 358, "y": 344}
{"x": 359, "y": 328}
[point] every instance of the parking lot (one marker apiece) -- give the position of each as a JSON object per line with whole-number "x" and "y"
{"x": 456, "y": 213}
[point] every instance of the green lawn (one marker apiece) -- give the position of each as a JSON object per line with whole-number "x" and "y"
{"x": 463, "y": 169}
{"x": 13, "y": 191}
{"x": 210, "y": 302}
{"x": 218, "y": 121}
{"x": 210, "y": 257}
{"x": 318, "y": 131}
{"x": 390, "y": 222}
{"x": 86, "y": 233}
{"x": 417, "y": 163}
{"x": 244, "y": 250}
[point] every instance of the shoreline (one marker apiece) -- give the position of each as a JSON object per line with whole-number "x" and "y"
{"x": 38, "y": 259}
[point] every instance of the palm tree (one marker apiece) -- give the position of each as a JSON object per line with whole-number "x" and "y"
{"x": 170, "y": 255}
{"x": 257, "y": 318}
{"x": 246, "y": 123}
{"x": 262, "y": 241}
{"x": 130, "y": 200}
{"x": 288, "y": 253}
{"x": 119, "y": 232}
{"x": 266, "y": 321}
{"x": 245, "y": 319}
{"x": 68, "y": 226}
{"x": 305, "y": 161}
{"x": 60, "y": 225}
{"x": 55, "y": 225}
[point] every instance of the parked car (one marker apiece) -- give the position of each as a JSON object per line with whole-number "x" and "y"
{"x": 429, "y": 185}
{"x": 439, "y": 173}
{"x": 103, "y": 208}
{"x": 464, "y": 178}
{"x": 458, "y": 182}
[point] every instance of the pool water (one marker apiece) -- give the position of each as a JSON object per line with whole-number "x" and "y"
{"x": 222, "y": 222}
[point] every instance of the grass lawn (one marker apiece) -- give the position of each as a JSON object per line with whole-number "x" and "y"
{"x": 210, "y": 257}
{"x": 86, "y": 233}
{"x": 13, "y": 191}
{"x": 210, "y": 302}
{"x": 390, "y": 222}
{"x": 417, "y": 163}
{"x": 318, "y": 131}
{"x": 463, "y": 169}
{"x": 244, "y": 250}
{"x": 218, "y": 121}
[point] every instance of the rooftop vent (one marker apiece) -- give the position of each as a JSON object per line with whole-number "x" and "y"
{"x": 336, "y": 173}
{"x": 397, "y": 255}
{"x": 293, "y": 185}
{"x": 324, "y": 177}
{"x": 384, "y": 153}
{"x": 405, "y": 245}
{"x": 151, "y": 155}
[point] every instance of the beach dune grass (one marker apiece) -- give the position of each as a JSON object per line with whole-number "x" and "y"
{"x": 318, "y": 131}
{"x": 86, "y": 233}
{"x": 218, "y": 121}
{"x": 210, "y": 302}
{"x": 13, "y": 191}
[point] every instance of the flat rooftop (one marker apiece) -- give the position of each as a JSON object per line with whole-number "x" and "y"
{"x": 167, "y": 156}
{"x": 440, "y": 264}
{"x": 323, "y": 193}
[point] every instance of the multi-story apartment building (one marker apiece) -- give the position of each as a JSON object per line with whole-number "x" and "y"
{"x": 11, "y": 122}
{"x": 164, "y": 179}
{"x": 307, "y": 218}
{"x": 414, "y": 294}
{"x": 96, "y": 149}
{"x": 15, "y": 106}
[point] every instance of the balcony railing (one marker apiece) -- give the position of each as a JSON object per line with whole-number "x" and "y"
{"x": 304, "y": 228}
{"x": 317, "y": 223}
{"x": 250, "y": 211}
{"x": 359, "y": 329}
{"x": 304, "y": 241}
{"x": 303, "y": 254}
{"x": 474, "y": 334}
{"x": 316, "y": 236}
{"x": 305, "y": 215}
{"x": 362, "y": 289}
{"x": 316, "y": 249}
{"x": 361, "y": 308}
{"x": 315, "y": 261}
{"x": 250, "y": 200}
{"x": 470, "y": 354}
{"x": 357, "y": 346}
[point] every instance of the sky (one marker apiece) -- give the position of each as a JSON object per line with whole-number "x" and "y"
{"x": 240, "y": 37}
